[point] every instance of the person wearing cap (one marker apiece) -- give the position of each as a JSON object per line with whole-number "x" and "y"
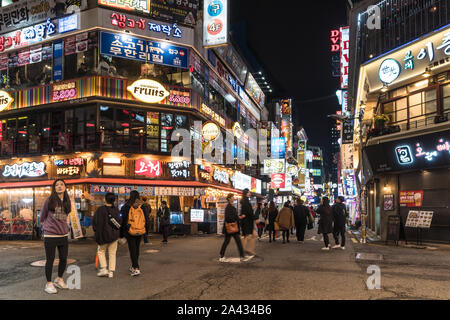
{"x": 340, "y": 216}
{"x": 230, "y": 217}
{"x": 248, "y": 224}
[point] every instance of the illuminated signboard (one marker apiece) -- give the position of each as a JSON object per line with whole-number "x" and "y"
{"x": 148, "y": 168}
{"x": 179, "y": 169}
{"x": 5, "y": 100}
{"x": 389, "y": 71}
{"x": 65, "y": 91}
{"x": 213, "y": 115}
{"x": 215, "y": 23}
{"x": 241, "y": 181}
{"x": 348, "y": 177}
{"x": 135, "y": 5}
{"x": 210, "y": 131}
{"x": 69, "y": 162}
{"x": 221, "y": 176}
{"x": 148, "y": 91}
{"x": 197, "y": 215}
{"x": 278, "y": 180}
{"x": 334, "y": 38}
{"x": 68, "y": 23}
{"x": 345, "y": 54}
{"x": 69, "y": 167}
{"x": 274, "y": 166}
{"x": 26, "y": 169}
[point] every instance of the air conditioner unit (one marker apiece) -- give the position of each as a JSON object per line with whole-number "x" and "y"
{"x": 440, "y": 119}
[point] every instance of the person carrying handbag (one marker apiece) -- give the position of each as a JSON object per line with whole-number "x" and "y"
{"x": 231, "y": 229}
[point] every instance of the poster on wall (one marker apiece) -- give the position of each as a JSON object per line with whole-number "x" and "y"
{"x": 411, "y": 199}
{"x": 215, "y": 23}
{"x": 388, "y": 202}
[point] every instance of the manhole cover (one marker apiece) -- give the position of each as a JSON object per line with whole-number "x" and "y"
{"x": 369, "y": 256}
{"x": 152, "y": 251}
{"x": 41, "y": 263}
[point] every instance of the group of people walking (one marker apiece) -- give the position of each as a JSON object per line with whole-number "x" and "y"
{"x": 131, "y": 224}
{"x": 333, "y": 219}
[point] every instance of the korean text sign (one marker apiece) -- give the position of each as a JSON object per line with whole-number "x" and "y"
{"x": 124, "y": 46}
{"x": 411, "y": 199}
{"x": 148, "y": 168}
{"x": 215, "y": 22}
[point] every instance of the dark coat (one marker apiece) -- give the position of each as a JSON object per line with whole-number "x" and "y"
{"x": 340, "y": 214}
{"x": 326, "y": 219}
{"x": 147, "y": 211}
{"x": 285, "y": 218}
{"x": 272, "y": 216}
{"x": 124, "y": 214}
{"x": 164, "y": 216}
{"x": 231, "y": 216}
{"x": 300, "y": 215}
{"x": 247, "y": 223}
{"x": 104, "y": 231}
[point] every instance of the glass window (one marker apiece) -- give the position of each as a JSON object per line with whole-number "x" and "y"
{"x": 107, "y": 126}
{"x": 446, "y": 97}
{"x": 415, "y": 99}
{"x": 80, "y": 55}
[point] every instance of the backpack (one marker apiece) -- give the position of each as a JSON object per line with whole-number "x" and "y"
{"x": 136, "y": 221}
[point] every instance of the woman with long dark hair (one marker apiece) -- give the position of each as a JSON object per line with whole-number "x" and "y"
{"x": 248, "y": 224}
{"x": 326, "y": 221}
{"x": 56, "y": 232}
{"x": 134, "y": 225}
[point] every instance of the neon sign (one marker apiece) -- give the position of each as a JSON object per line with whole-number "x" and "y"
{"x": 335, "y": 37}
{"x": 404, "y": 155}
{"x": 148, "y": 168}
{"x": 442, "y": 146}
{"x": 26, "y": 169}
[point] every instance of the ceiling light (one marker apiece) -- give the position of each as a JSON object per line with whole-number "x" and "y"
{"x": 427, "y": 73}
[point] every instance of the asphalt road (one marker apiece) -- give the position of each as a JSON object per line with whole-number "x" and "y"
{"x": 188, "y": 268}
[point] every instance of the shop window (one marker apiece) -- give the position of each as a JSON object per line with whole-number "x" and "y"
{"x": 22, "y": 135}
{"x": 137, "y": 130}
{"x": 152, "y": 131}
{"x": 398, "y": 93}
{"x": 446, "y": 97}
{"x": 79, "y": 129}
{"x": 122, "y": 127}
{"x": 107, "y": 126}
{"x": 80, "y": 55}
{"x": 167, "y": 127}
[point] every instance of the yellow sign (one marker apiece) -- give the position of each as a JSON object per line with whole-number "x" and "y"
{"x": 210, "y": 131}
{"x": 149, "y": 91}
{"x": 5, "y": 100}
{"x": 213, "y": 115}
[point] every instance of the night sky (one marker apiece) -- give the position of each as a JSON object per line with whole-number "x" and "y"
{"x": 291, "y": 41}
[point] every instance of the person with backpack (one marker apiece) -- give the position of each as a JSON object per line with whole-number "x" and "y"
{"x": 164, "y": 220}
{"x": 340, "y": 216}
{"x": 147, "y": 211}
{"x": 231, "y": 230}
{"x": 106, "y": 225}
{"x": 134, "y": 226}
{"x": 53, "y": 219}
{"x": 285, "y": 219}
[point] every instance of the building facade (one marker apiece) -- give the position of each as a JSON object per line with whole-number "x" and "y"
{"x": 97, "y": 96}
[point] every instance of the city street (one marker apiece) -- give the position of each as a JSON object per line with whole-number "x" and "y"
{"x": 188, "y": 268}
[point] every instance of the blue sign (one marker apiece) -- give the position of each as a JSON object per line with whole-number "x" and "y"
{"x": 215, "y": 8}
{"x": 278, "y": 147}
{"x": 67, "y": 24}
{"x": 125, "y": 46}
{"x": 58, "y": 49}
{"x": 404, "y": 155}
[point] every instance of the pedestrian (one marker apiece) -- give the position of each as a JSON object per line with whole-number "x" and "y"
{"x": 300, "y": 216}
{"x": 261, "y": 220}
{"x": 134, "y": 226}
{"x": 248, "y": 224}
{"x": 231, "y": 217}
{"x": 340, "y": 216}
{"x": 164, "y": 220}
{"x": 147, "y": 211}
{"x": 56, "y": 232}
{"x": 285, "y": 220}
{"x": 266, "y": 215}
{"x": 326, "y": 221}
{"x": 273, "y": 213}
{"x": 292, "y": 208}
{"x": 106, "y": 225}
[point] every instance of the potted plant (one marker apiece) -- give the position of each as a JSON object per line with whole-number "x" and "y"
{"x": 380, "y": 120}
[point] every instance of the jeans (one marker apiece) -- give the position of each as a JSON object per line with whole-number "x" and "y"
{"x": 326, "y": 240}
{"x": 260, "y": 232}
{"x": 300, "y": 231}
{"x": 134, "y": 242}
{"x": 286, "y": 235}
{"x": 112, "y": 249}
{"x": 50, "y": 245}
{"x": 165, "y": 232}
{"x": 339, "y": 230}
{"x": 228, "y": 237}
{"x": 272, "y": 235}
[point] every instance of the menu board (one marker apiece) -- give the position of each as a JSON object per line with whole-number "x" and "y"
{"x": 419, "y": 219}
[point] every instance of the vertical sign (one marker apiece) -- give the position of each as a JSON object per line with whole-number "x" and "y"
{"x": 215, "y": 23}
{"x": 58, "y": 47}
{"x": 345, "y": 52}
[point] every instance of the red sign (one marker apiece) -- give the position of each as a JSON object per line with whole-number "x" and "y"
{"x": 65, "y": 91}
{"x": 122, "y": 21}
{"x": 411, "y": 199}
{"x": 335, "y": 43}
{"x": 278, "y": 181}
{"x": 148, "y": 168}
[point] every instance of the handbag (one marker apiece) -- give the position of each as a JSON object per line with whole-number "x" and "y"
{"x": 232, "y": 227}
{"x": 276, "y": 226}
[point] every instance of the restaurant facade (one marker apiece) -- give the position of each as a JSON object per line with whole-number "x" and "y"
{"x": 96, "y": 95}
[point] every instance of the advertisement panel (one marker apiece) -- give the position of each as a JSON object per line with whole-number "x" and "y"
{"x": 148, "y": 168}
{"x": 345, "y": 54}
{"x": 348, "y": 178}
{"x": 197, "y": 215}
{"x": 253, "y": 89}
{"x": 125, "y": 46}
{"x": 135, "y": 5}
{"x": 278, "y": 148}
{"x": 286, "y": 133}
{"x": 274, "y": 166}
{"x": 181, "y": 11}
{"x": 215, "y": 23}
{"x": 411, "y": 199}
{"x": 278, "y": 180}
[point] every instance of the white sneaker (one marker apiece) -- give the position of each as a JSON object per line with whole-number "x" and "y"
{"x": 326, "y": 248}
{"x": 343, "y": 248}
{"x": 336, "y": 246}
{"x": 131, "y": 269}
{"x": 103, "y": 273}
{"x": 50, "y": 288}
{"x": 247, "y": 258}
{"x": 111, "y": 274}
{"x": 135, "y": 273}
{"x": 60, "y": 284}
{"x": 223, "y": 259}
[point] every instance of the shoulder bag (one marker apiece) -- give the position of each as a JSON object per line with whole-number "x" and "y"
{"x": 232, "y": 227}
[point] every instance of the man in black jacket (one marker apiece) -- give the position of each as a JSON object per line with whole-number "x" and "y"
{"x": 340, "y": 216}
{"x": 147, "y": 211}
{"x": 300, "y": 217}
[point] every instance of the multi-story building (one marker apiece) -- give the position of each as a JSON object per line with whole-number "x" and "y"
{"x": 400, "y": 95}
{"x": 97, "y": 96}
